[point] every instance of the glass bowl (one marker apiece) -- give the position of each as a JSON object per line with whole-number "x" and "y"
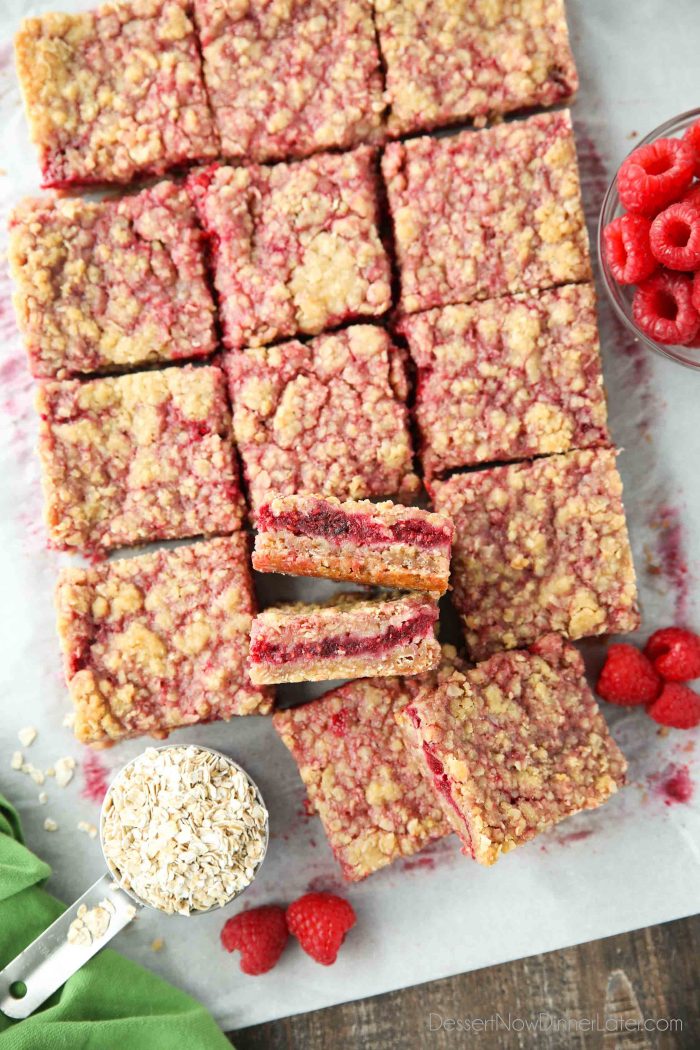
{"x": 621, "y": 295}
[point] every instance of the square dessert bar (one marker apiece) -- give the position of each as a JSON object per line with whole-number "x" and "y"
{"x": 287, "y": 78}
{"x": 114, "y": 93}
{"x": 136, "y": 458}
{"x": 454, "y": 60}
{"x": 540, "y": 547}
{"x": 373, "y": 802}
{"x": 326, "y": 417}
{"x": 485, "y": 213}
{"x": 357, "y": 541}
{"x": 110, "y": 284}
{"x": 513, "y": 746}
{"x": 148, "y": 648}
{"x": 507, "y": 378}
{"x": 296, "y": 246}
{"x": 349, "y": 637}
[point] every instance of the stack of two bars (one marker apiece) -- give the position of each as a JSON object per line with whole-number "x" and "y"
{"x": 352, "y": 636}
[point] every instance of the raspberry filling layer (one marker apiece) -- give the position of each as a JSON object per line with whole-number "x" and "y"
{"x": 336, "y": 526}
{"x": 271, "y": 652}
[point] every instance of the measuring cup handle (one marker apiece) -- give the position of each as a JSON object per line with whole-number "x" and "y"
{"x": 52, "y": 958}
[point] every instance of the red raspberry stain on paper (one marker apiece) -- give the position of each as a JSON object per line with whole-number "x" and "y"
{"x": 96, "y": 778}
{"x": 671, "y": 560}
{"x": 674, "y": 785}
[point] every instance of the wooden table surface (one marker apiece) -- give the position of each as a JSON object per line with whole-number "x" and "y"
{"x": 650, "y": 974}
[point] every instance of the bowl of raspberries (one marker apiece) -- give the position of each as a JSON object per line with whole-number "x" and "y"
{"x": 649, "y": 239}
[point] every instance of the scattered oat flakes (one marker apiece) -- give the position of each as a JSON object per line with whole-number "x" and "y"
{"x": 43, "y": 798}
{"x": 17, "y": 760}
{"x": 50, "y": 772}
{"x": 27, "y": 736}
{"x": 184, "y": 829}
{"x": 90, "y": 924}
{"x": 69, "y": 719}
{"x": 37, "y": 775}
{"x": 157, "y": 945}
{"x": 89, "y": 829}
{"x": 64, "y": 769}
{"x": 50, "y": 824}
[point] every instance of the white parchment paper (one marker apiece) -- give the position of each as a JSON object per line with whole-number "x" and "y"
{"x": 633, "y": 863}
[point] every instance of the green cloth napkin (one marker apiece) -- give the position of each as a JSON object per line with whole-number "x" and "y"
{"x": 111, "y": 1003}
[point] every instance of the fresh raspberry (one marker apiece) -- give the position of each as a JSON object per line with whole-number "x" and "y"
{"x": 655, "y": 175}
{"x": 675, "y": 653}
{"x": 692, "y": 196}
{"x": 663, "y": 308}
{"x": 675, "y": 236}
{"x": 627, "y": 249}
{"x": 320, "y": 921}
{"x": 677, "y": 706}
{"x": 259, "y": 934}
{"x": 628, "y": 677}
{"x": 692, "y": 138}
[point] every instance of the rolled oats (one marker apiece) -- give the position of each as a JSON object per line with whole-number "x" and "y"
{"x": 183, "y": 829}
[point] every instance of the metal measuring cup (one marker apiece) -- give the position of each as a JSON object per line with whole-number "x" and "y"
{"x": 47, "y": 963}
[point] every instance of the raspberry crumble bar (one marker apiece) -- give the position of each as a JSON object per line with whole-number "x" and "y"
{"x": 452, "y": 60}
{"x": 147, "y": 648}
{"x": 484, "y": 213}
{"x": 357, "y": 541}
{"x": 507, "y": 378}
{"x": 349, "y": 637}
{"x": 136, "y": 458}
{"x": 114, "y": 93}
{"x": 514, "y": 746}
{"x": 540, "y": 547}
{"x": 326, "y": 417}
{"x": 373, "y": 801}
{"x": 110, "y": 284}
{"x": 296, "y": 247}
{"x": 287, "y": 78}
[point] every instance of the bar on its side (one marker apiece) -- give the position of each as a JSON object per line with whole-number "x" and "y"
{"x": 349, "y": 637}
{"x": 356, "y": 541}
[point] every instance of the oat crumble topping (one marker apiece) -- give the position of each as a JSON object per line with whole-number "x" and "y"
{"x": 106, "y": 285}
{"x": 325, "y": 417}
{"x": 306, "y": 78}
{"x": 296, "y": 246}
{"x": 137, "y": 458}
{"x": 453, "y": 60}
{"x": 115, "y": 92}
{"x": 487, "y": 213}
